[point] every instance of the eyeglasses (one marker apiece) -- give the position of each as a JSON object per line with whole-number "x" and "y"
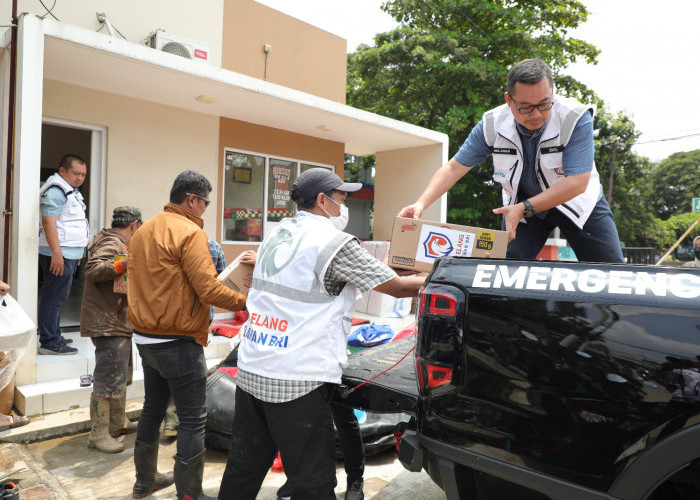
{"x": 526, "y": 110}
{"x": 206, "y": 202}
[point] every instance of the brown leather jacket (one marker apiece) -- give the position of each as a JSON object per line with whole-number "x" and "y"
{"x": 104, "y": 313}
{"x": 172, "y": 278}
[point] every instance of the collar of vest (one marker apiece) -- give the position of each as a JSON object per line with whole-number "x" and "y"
{"x": 58, "y": 181}
{"x": 177, "y": 209}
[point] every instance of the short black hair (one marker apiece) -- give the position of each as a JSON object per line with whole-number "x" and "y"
{"x": 121, "y": 223}
{"x": 528, "y": 71}
{"x": 312, "y": 203}
{"x": 67, "y": 161}
{"x": 190, "y": 182}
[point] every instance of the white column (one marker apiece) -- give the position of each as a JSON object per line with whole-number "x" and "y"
{"x": 27, "y": 159}
{"x": 401, "y": 176}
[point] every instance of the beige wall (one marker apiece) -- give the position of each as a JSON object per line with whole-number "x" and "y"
{"x": 271, "y": 141}
{"x": 147, "y": 145}
{"x": 135, "y": 19}
{"x": 303, "y": 57}
{"x": 393, "y": 190}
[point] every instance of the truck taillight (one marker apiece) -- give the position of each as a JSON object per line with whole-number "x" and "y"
{"x": 439, "y": 345}
{"x": 440, "y": 304}
{"x": 438, "y": 375}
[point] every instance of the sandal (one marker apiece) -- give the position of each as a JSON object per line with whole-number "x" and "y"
{"x": 17, "y": 421}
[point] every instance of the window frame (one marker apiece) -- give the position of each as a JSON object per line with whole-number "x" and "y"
{"x": 267, "y": 158}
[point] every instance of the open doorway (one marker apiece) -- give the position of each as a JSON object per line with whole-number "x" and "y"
{"x": 58, "y": 139}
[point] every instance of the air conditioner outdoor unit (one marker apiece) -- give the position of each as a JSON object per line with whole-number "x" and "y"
{"x": 180, "y": 46}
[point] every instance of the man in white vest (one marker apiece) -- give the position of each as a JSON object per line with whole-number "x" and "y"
{"x": 294, "y": 345}
{"x": 63, "y": 235}
{"x": 542, "y": 149}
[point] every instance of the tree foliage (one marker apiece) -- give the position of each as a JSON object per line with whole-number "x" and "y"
{"x": 446, "y": 64}
{"x": 676, "y": 180}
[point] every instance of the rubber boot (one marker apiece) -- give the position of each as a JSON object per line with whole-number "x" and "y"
{"x": 9, "y": 491}
{"x": 118, "y": 423}
{"x": 148, "y": 479}
{"x": 99, "y": 434}
{"x": 188, "y": 478}
{"x": 171, "y": 423}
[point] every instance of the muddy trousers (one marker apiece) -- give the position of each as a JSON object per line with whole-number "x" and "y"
{"x": 302, "y": 429}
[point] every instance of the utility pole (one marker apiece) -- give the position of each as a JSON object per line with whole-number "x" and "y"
{"x": 612, "y": 171}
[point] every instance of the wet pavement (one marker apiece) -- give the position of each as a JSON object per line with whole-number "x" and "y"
{"x": 64, "y": 468}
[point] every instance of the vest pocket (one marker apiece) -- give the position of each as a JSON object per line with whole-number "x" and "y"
{"x": 553, "y": 162}
{"x": 503, "y": 165}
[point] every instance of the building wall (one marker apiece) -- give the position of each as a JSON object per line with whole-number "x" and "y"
{"x": 271, "y": 141}
{"x": 147, "y": 145}
{"x": 135, "y": 19}
{"x": 302, "y": 56}
{"x": 390, "y": 169}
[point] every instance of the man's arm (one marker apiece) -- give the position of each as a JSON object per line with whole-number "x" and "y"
{"x": 100, "y": 266}
{"x": 401, "y": 286}
{"x": 199, "y": 268}
{"x": 441, "y": 181}
{"x": 49, "y": 224}
{"x": 559, "y": 193}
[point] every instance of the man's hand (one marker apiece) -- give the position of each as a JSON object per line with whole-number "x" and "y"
{"x": 4, "y": 288}
{"x": 412, "y": 211}
{"x": 249, "y": 257}
{"x": 512, "y": 214}
{"x": 125, "y": 262}
{"x": 56, "y": 266}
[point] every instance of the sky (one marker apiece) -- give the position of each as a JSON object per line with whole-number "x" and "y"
{"x": 649, "y": 66}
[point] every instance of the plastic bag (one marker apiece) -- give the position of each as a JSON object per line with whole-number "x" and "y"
{"x": 16, "y": 327}
{"x": 370, "y": 335}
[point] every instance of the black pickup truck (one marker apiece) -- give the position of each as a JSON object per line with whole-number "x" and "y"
{"x": 547, "y": 380}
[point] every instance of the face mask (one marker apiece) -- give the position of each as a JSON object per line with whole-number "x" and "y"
{"x": 341, "y": 221}
{"x": 697, "y": 252}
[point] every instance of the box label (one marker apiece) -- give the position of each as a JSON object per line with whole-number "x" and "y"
{"x": 436, "y": 242}
{"x": 484, "y": 240}
{"x": 403, "y": 261}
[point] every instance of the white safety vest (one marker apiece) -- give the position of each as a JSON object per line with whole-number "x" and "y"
{"x": 296, "y": 330}
{"x": 502, "y": 136}
{"x": 72, "y": 225}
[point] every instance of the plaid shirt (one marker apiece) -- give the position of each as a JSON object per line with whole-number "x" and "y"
{"x": 352, "y": 264}
{"x": 217, "y": 255}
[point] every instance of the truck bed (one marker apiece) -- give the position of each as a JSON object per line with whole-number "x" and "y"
{"x": 393, "y": 392}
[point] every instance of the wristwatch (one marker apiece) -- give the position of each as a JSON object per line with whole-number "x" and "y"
{"x": 529, "y": 209}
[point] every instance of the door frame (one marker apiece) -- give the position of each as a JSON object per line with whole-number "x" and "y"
{"x": 98, "y": 167}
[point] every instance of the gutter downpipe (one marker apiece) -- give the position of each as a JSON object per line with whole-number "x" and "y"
{"x": 7, "y": 212}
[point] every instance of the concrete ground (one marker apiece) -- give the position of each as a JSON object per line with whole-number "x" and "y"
{"x": 64, "y": 468}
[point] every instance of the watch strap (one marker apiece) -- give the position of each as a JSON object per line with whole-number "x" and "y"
{"x": 529, "y": 209}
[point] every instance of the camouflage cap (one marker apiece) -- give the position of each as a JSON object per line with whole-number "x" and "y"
{"x": 126, "y": 214}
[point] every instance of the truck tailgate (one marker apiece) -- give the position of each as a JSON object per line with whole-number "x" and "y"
{"x": 393, "y": 392}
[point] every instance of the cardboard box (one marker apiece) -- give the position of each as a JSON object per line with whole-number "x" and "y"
{"x": 377, "y": 303}
{"x": 416, "y": 243}
{"x": 237, "y": 276}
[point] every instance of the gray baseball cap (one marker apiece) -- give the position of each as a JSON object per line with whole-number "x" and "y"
{"x": 319, "y": 180}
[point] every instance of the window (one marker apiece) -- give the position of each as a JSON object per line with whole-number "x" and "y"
{"x": 257, "y": 193}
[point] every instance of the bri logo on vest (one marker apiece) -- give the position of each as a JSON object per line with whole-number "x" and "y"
{"x": 268, "y": 323}
{"x": 437, "y": 245}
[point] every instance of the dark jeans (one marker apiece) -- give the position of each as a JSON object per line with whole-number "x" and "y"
{"x": 350, "y": 444}
{"x": 596, "y": 242}
{"x": 178, "y": 369}
{"x": 350, "y": 440}
{"x": 54, "y": 293}
{"x": 301, "y": 429}
{"x": 113, "y": 366}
